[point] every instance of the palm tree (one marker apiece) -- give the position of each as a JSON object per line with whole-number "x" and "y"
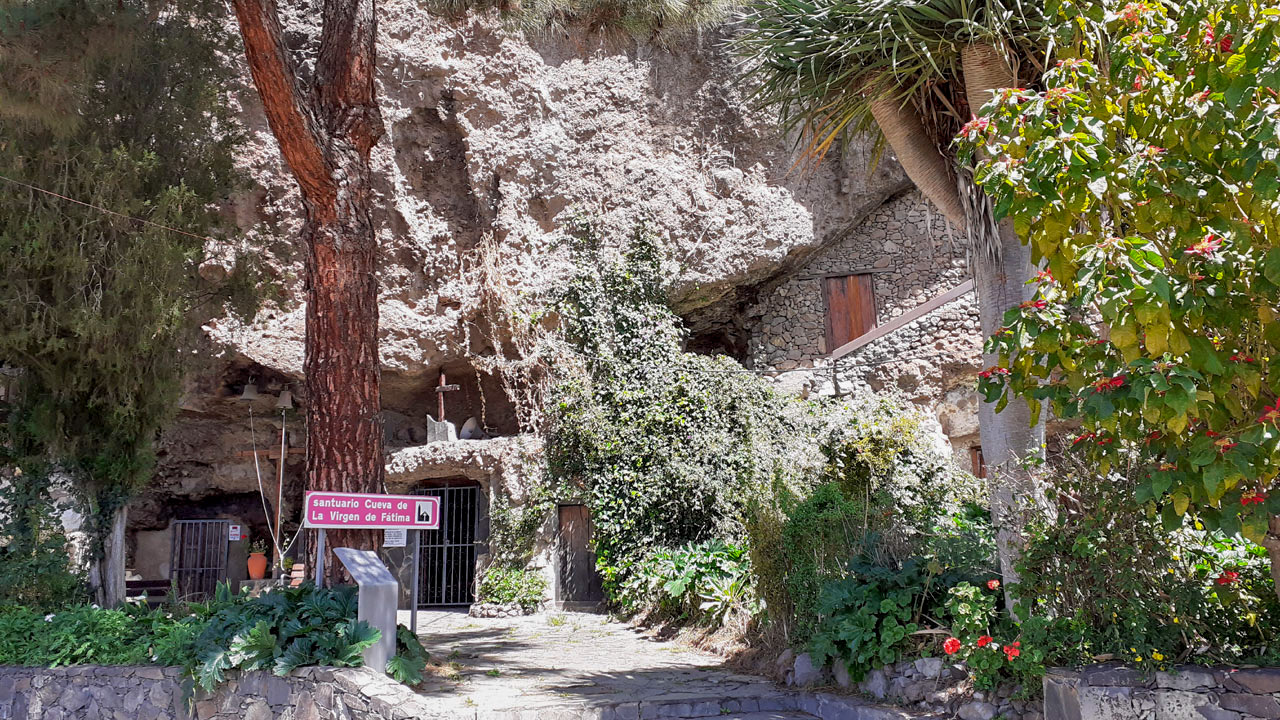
{"x": 913, "y": 71}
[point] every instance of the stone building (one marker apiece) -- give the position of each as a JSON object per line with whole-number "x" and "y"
{"x": 901, "y": 257}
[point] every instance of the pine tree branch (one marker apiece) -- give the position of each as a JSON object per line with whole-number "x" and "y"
{"x": 345, "y": 72}
{"x": 289, "y": 110}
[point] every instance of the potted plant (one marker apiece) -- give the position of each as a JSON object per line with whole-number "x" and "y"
{"x": 257, "y": 560}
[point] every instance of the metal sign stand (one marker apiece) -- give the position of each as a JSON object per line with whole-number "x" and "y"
{"x": 320, "y": 558}
{"x": 413, "y": 592}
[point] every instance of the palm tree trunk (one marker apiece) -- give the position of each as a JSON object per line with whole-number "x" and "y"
{"x": 1001, "y": 266}
{"x": 919, "y": 156}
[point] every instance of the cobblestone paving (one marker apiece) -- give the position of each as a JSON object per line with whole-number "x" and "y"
{"x": 577, "y": 665}
{"x": 574, "y": 666}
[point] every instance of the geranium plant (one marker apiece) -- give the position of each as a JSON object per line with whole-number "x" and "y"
{"x": 1144, "y": 176}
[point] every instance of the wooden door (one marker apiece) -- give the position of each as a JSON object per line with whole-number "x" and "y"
{"x": 578, "y": 579}
{"x": 851, "y": 308}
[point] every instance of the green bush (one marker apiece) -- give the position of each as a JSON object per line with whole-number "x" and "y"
{"x": 276, "y": 631}
{"x": 708, "y": 582}
{"x": 1113, "y": 581}
{"x": 885, "y": 493}
{"x": 512, "y": 586}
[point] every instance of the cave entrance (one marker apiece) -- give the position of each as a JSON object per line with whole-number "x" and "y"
{"x": 447, "y": 556}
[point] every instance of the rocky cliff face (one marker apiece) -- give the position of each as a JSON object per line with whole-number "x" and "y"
{"x": 492, "y": 139}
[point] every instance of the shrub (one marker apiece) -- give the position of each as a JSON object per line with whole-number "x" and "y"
{"x": 885, "y": 493}
{"x": 1114, "y": 582}
{"x": 709, "y": 582}
{"x": 276, "y": 631}
{"x": 512, "y": 586}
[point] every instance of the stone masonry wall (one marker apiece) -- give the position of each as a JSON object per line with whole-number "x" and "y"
{"x": 155, "y": 693}
{"x": 913, "y": 256}
{"x": 1111, "y": 692}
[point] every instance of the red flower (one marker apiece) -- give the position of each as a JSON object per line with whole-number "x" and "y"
{"x": 1081, "y": 438}
{"x": 1270, "y": 414}
{"x": 1224, "y": 444}
{"x": 1252, "y": 498}
{"x": 976, "y": 123}
{"x": 1242, "y": 358}
{"x": 985, "y": 640}
{"x": 1206, "y": 247}
{"x": 1012, "y": 651}
{"x": 1210, "y": 433}
{"x": 1224, "y": 45}
{"x": 1155, "y": 435}
{"x": 1227, "y": 577}
{"x": 993, "y": 584}
{"x": 1036, "y": 304}
{"x": 986, "y": 374}
{"x": 951, "y": 646}
{"x": 1106, "y": 441}
{"x": 1045, "y": 276}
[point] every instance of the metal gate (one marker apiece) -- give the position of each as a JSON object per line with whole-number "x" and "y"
{"x": 447, "y": 563}
{"x": 198, "y": 558}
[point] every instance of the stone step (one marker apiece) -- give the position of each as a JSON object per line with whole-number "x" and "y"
{"x": 764, "y": 715}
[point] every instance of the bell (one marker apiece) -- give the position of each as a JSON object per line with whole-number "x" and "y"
{"x": 285, "y": 401}
{"x": 250, "y": 392}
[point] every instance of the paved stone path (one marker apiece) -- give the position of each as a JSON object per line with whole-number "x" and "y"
{"x": 576, "y": 666}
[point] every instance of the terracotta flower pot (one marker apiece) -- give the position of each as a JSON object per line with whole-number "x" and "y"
{"x": 257, "y": 566}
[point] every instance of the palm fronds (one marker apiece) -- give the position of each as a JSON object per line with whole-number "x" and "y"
{"x": 820, "y": 61}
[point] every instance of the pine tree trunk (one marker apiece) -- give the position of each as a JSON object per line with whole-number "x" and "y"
{"x": 326, "y": 133}
{"x": 1000, "y": 273}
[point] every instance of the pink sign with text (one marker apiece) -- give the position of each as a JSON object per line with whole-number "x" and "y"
{"x": 357, "y": 511}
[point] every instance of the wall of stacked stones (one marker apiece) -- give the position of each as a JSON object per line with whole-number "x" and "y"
{"x": 156, "y": 693}
{"x": 1109, "y": 692}
{"x": 913, "y": 256}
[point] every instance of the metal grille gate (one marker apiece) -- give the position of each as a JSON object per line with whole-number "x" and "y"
{"x": 198, "y": 558}
{"x": 447, "y": 564}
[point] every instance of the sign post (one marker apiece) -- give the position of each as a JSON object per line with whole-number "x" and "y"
{"x": 361, "y": 511}
{"x": 413, "y": 592}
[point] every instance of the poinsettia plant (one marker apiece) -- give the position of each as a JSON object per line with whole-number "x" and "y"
{"x": 1144, "y": 175}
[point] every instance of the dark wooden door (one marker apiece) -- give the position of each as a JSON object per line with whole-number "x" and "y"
{"x": 851, "y": 308}
{"x": 579, "y": 581}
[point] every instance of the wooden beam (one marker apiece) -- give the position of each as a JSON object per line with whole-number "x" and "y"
{"x": 269, "y": 454}
{"x": 846, "y": 273}
{"x": 897, "y": 323}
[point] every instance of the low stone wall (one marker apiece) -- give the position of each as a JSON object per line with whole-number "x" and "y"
{"x": 927, "y": 685}
{"x": 499, "y": 610}
{"x": 155, "y": 693}
{"x": 1115, "y": 692}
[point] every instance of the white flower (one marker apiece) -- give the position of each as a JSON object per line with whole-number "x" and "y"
{"x": 95, "y": 606}
{"x": 48, "y": 618}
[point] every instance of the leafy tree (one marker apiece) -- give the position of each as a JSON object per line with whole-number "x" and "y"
{"x": 915, "y": 71}
{"x": 1146, "y": 176}
{"x": 95, "y": 307}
